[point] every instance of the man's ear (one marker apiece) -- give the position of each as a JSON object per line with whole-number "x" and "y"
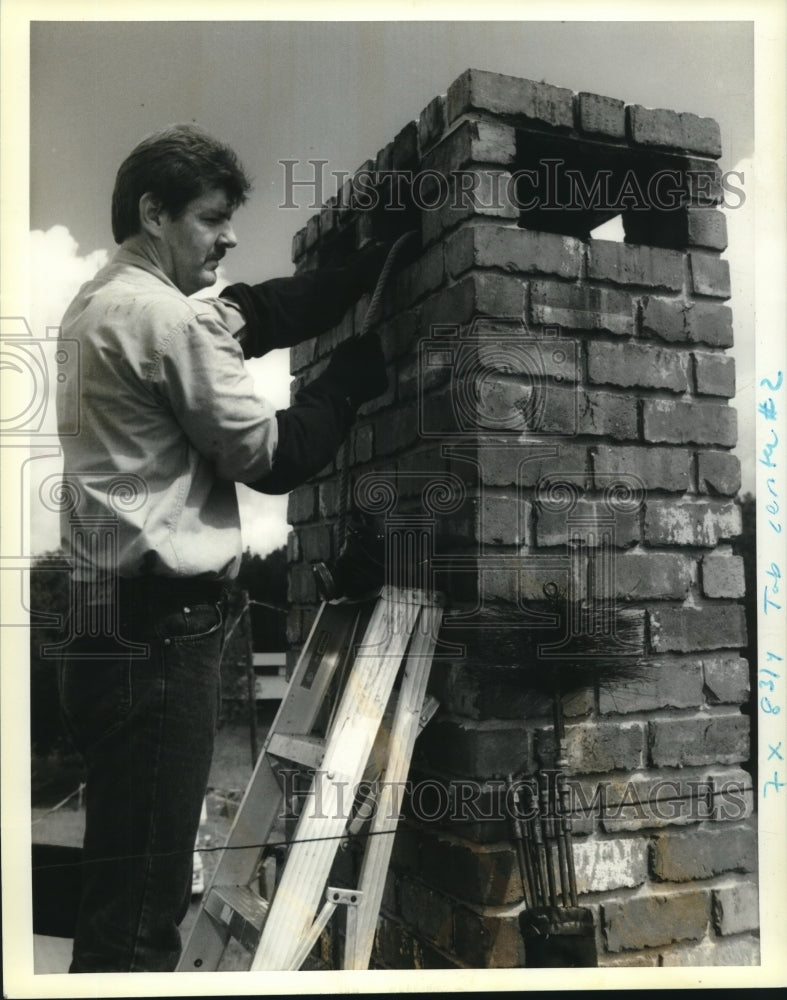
{"x": 150, "y": 214}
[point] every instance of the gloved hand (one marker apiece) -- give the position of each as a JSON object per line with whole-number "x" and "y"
{"x": 357, "y": 368}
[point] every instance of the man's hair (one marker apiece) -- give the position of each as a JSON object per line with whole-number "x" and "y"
{"x": 176, "y": 165}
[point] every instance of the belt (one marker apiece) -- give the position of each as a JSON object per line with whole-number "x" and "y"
{"x": 161, "y": 589}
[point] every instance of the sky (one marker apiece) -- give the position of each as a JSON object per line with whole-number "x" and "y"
{"x": 336, "y": 91}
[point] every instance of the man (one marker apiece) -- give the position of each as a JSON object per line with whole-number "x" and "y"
{"x": 169, "y": 421}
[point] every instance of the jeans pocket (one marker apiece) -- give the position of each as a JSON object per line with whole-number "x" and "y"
{"x": 190, "y": 622}
{"x": 95, "y": 698}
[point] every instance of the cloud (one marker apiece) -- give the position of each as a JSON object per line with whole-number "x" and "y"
{"x": 57, "y": 271}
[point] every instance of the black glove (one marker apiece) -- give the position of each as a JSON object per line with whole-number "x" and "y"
{"x": 357, "y": 369}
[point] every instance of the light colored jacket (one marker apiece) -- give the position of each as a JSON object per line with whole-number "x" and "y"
{"x": 168, "y": 420}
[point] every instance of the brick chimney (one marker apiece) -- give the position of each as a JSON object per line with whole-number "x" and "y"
{"x": 558, "y": 416}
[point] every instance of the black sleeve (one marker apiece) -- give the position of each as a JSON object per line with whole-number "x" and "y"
{"x": 284, "y": 311}
{"x": 310, "y": 433}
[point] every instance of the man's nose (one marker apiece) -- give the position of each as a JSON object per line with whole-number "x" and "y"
{"x": 227, "y": 237}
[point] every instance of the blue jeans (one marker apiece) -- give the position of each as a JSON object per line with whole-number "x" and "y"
{"x": 145, "y": 725}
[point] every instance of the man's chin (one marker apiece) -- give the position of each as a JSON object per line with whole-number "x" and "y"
{"x": 207, "y": 279}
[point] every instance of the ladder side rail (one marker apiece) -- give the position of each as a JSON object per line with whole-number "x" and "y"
{"x": 323, "y": 820}
{"x": 404, "y": 732}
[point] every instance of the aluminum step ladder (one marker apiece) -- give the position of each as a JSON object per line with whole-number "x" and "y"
{"x": 398, "y": 638}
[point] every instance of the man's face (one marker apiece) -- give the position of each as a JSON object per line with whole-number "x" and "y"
{"x": 194, "y": 243}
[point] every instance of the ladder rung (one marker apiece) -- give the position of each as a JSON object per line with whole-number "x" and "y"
{"x": 306, "y": 750}
{"x": 239, "y": 909}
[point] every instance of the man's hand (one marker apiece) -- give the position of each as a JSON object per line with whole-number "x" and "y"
{"x": 357, "y": 367}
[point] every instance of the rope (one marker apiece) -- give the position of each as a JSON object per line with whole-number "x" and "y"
{"x": 369, "y": 320}
{"x": 363, "y": 835}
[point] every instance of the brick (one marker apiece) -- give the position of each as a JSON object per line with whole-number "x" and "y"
{"x": 641, "y": 801}
{"x": 509, "y": 95}
{"x": 581, "y": 307}
{"x": 363, "y": 444}
{"x": 604, "y": 865}
{"x": 674, "y": 130}
{"x": 472, "y": 142}
{"x": 597, "y": 747}
{"x": 299, "y": 245}
{"x": 414, "y": 282}
{"x": 664, "y": 318}
{"x": 722, "y": 576}
{"x": 627, "y": 264}
{"x": 662, "y": 683}
{"x": 384, "y": 159}
{"x": 601, "y": 115}
{"x": 515, "y": 250}
{"x": 656, "y": 468}
{"x": 710, "y": 323}
{"x": 704, "y": 181}
{"x": 636, "y": 365}
{"x": 683, "y": 423}
{"x": 489, "y": 941}
{"x": 736, "y": 909}
{"x": 476, "y": 294}
{"x": 727, "y": 951}
{"x": 714, "y": 374}
{"x": 487, "y": 876}
{"x": 315, "y": 542}
{"x": 648, "y": 922}
{"x": 294, "y": 627}
{"x": 689, "y": 855}
{"x": 710, "y": 275}
{"x": 732, "y": 794}
{"x": 502, "y": 521}
{"x": 526, "y": 463}
{"x": 676, "y": 322}
{"x": 483, "y": 193}
{"x": 691, "y": 522}
{"x": 501, "y": 406}
{"x": 525, "y": 581}
{"x": 718, "y": 473}
{"x": 301, "y": 355}
{"x": 707, "y": 227}
{"x": 686, "y": 630}
{"x": 394, "y": 430}
{"x": 312, "y": 232}
{"x": 553, "y": 527}
{"x": 427, "y": 912}
{"x": 327, "y": 343}
{"x": 300, "y": 585}
{"x": 606, "y": 414}
{"x": 643, "y": 575}
{"x": 301, "y": 505}
{"x": 726, "y": 680}
{"x": 328, "y": 499}
{"x": 399, "y": 335}
{"x": 723, "y": 739}
{"x": 293, "y": 547}
{"x": 328, "y": 217}
{"x": 404, "y": 155}
{"x": 473, "y": 749}
{"x": 431, "y": 123}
